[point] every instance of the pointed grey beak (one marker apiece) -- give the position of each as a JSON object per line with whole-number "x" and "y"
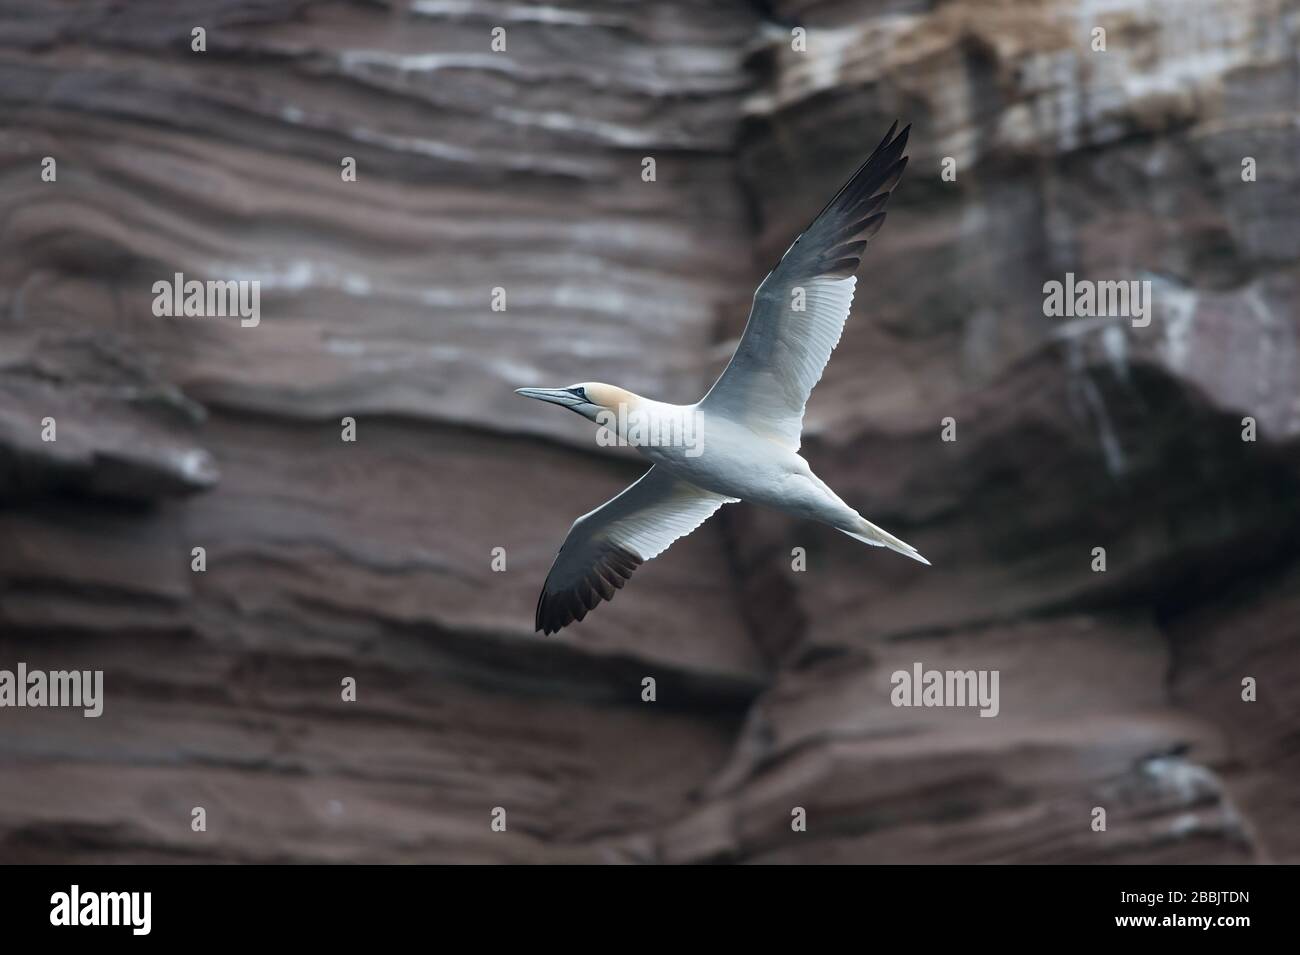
{"x": 556, "y": 396}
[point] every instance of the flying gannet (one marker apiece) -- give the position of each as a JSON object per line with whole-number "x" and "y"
{"x": 746, "y": 430}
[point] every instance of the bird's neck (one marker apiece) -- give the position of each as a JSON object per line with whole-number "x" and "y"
{"x": 641, "y": 422}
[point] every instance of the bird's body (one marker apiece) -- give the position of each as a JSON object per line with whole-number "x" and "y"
{"x": 739, "y": 462}
{"x": 741, "y": 440}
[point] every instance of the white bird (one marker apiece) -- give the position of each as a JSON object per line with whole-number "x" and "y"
{"x": 741, "y": 440}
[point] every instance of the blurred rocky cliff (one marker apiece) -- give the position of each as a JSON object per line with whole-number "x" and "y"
{"x": 522, "y": 170}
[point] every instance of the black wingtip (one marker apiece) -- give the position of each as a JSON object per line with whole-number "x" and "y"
{"x": 898, "y": 143}
{"x": 610, "y": 570}
{"x": 849, "y": 221}
{"x": 890, "y": 137}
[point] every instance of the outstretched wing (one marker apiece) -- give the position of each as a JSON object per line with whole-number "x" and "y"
{"x": 604, "y": 547}
{"x": 785, "y": 347}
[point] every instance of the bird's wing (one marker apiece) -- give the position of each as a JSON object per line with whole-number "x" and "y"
{"x": 604, "y": 547}
{"x": 785, "y": 348}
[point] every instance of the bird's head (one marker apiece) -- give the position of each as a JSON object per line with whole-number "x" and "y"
{"x": 587, "y": 398}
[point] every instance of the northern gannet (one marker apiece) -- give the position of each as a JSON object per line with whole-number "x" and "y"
{"x": 747, "y": 429}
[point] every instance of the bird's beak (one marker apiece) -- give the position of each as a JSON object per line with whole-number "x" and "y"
{"x": 556, "y": 396}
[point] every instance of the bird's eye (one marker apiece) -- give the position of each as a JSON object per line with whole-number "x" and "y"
{"x": 580, "y": 392}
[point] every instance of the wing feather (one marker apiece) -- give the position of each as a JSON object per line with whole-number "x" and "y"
{"x": 785, "y": 347}
{"x": 603, "y": 548}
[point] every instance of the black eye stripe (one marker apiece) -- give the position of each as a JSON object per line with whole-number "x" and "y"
{"x": 580, "y": 392}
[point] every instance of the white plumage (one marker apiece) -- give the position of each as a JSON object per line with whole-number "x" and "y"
{"x": 745, "y": 433}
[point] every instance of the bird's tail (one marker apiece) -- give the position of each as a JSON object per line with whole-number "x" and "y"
{"x": 867, "y": 532}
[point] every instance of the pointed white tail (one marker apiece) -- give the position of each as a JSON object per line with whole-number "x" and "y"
{"x": 869, "y": 533}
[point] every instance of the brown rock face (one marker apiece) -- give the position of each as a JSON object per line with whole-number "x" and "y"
{"x": 1008, "y": 445}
